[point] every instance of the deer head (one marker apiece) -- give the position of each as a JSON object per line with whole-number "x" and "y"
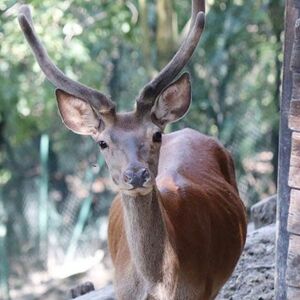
{"x": 130, "y": 142}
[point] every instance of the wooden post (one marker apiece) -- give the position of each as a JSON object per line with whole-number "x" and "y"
{"x": 291, "y": 14}
{"x": 293, "y": 225}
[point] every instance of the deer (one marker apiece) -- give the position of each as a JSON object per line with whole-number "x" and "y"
{"x": 177, "y": 226}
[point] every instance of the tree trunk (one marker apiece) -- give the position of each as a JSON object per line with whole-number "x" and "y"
{"x": 165, "y": 37}
{"x": 146, "y": 44}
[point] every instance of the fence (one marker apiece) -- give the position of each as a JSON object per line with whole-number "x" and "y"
{"x": 60, "y": 233}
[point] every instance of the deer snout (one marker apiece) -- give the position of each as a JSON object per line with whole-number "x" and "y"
{"x": 136, "y": 178}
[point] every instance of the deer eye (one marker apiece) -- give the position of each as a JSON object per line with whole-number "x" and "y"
{"x": 157, "y": 137}
{"x": 103, "y": 145}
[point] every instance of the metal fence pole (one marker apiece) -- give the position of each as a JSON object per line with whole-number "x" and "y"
{"x": 82, "y": 218}
{"x": 4, "y": 265}
{"x": 43, "y": 200}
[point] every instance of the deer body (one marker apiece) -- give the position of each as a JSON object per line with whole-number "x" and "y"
{"x": 195, "y": 219}
{"x": 177, "y": 226}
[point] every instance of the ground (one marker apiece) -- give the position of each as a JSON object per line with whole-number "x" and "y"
{"x": 253, "y": 278}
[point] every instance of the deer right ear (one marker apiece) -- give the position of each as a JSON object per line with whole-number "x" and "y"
{"x": 77, "y": 114}
{"x": 173, "y": 103}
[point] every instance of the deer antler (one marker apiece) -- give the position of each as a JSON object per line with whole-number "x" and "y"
{"x": 97, "y": 100}
{"x": 150, "y": 91}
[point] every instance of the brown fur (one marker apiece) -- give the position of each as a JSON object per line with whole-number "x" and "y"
{"x": 204, "y": 218}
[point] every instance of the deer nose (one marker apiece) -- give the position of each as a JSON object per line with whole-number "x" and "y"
{"x": 136, "y": 178}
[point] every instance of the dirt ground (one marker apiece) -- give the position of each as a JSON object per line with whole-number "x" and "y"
{"x": 253, "y": 278}
{"x": 39, "y": 286}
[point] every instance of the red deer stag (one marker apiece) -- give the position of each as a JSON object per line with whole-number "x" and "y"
{"x": 177, "y": 227}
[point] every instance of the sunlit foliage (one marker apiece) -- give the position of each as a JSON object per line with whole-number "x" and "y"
{"x": 235, "y": 71}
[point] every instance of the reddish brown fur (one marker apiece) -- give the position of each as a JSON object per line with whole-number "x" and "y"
{"x": 205, "y": 217}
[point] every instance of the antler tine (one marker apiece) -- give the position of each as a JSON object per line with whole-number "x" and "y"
{"x": 172, "y": 69}
{"x": 96, "y": 99}
{"x": 197, "y": 6}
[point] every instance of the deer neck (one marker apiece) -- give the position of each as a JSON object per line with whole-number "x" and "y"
{"x": 146, "y": 234}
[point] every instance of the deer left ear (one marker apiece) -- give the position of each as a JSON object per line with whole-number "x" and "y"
{"x": 77, "y": 114}
{"x": 173, "y": 103}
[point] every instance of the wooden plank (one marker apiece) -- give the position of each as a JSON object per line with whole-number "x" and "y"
{"x": 295, "y": 59}
{"x": 294, "y": 117}
{"x": 295, "y": 148}
{"x": 294, "y": 177}
{"x": 294, "y": 174}
{"x": 282, "y": 240}
{"x": 293, "y": 262}
{"x": 293, "y": 293}
{"x": 294, "y": 213}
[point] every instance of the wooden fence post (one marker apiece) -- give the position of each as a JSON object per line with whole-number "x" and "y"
{"x": 282, "y": 241}
{"x": 293, "y": 224}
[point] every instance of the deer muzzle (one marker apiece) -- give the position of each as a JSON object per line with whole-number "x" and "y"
{"x": 137, "y": 178}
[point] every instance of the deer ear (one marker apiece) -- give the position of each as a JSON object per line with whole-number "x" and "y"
{"x": 77, "y": 114}
{"x": 173, "y": 103}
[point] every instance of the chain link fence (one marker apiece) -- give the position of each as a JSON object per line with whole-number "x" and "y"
{"x": 57, "y": 226}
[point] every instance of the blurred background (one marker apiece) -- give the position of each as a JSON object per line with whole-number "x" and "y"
{"x": 55, "y": 191}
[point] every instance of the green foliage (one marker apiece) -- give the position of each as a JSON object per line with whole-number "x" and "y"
{"x": 237, "y": 90}
{"x": 236, "y": 84}
{"x": 236, "y": 74}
